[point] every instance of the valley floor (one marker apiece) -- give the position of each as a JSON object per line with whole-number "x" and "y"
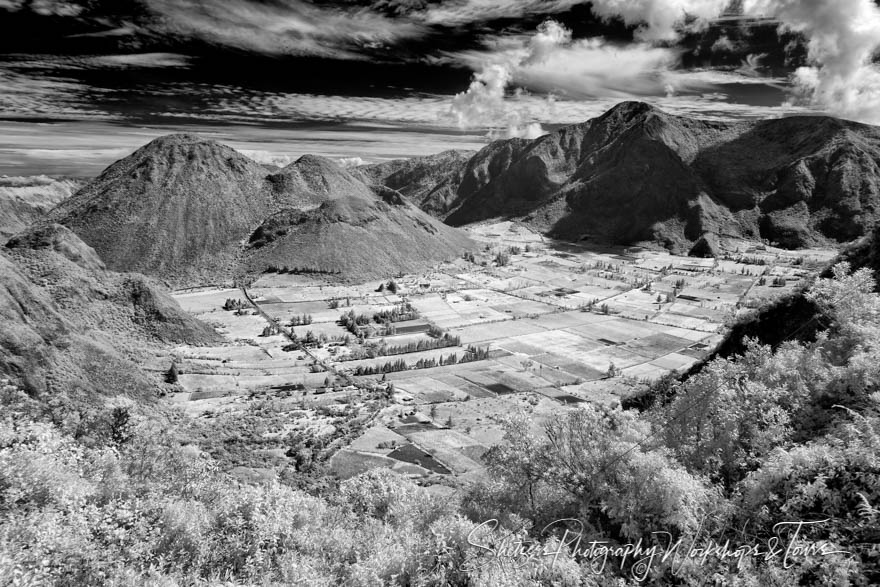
{"x": 524, "y": 325}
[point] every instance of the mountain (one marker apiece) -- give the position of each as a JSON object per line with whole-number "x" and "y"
{"x": 638, "y": 174}
{"x": 374, "y": 234}
{"x": 178, "y": 208}
{"x": 25, "y": 200}
{"x": 74, "y": 331}
{"x": 193, "y": 212}
{"x": 429, "y": 182}
{"x": 311, "y": 180}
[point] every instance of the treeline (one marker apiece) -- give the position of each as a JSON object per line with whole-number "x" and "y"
{"x": 303, "y": 320}
{"x": 471, "y": 354}
{"x": 301, "y": 270}
{"x": 372, "y": 351}
{"x": 357, "y": 323}
{"x": 400, "y": 313}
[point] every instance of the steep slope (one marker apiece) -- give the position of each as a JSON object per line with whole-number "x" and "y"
{"x": 48, "y": 356}
{"x": 364, "y": 234}
{"x": 74, "y": 331}
{"x": 178, "y": 208}
{"x": 311, "y": 180}
{"x": 622, "y": 177}
{"x": 431, "y": 182}
{"x": 25, "y": 200}
{"x": 128, "y": 305}
{"x": 638, "y": 174}
{"x": 193, "y": 212}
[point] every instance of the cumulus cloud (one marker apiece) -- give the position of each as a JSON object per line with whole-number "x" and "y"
{"x": 551, "y": 61}
{"x": 594, "y": 67}
{"x": 484, "y": 102}
{"x": 351, "y": 161}
{"x": 842, "y": 36}
{"x": 660, "y": 20}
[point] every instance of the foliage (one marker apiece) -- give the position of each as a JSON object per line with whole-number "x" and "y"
{"x": 119, "y": 495}
{"x": 234, "y": 304}
{"x": 472, "y": 353}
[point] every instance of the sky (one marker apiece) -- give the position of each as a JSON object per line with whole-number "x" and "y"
{"x": 83, "y": 83}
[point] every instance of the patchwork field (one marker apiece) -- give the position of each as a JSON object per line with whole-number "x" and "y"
{"x": 521, "y": 324}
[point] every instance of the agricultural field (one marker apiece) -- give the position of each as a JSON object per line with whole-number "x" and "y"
{"x": 521, "y": 324}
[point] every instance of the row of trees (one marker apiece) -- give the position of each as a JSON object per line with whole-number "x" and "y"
{"x": 301, "y": 270}
{"x": 303, "y": 320}
{"x": 371, "y": 351}
{"x": 472, "y": 354}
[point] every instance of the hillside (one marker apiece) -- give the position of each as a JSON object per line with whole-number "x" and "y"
{"x": 72, "y": 330}
{"x": 178, "y": 208}
{"x": 25, "y": 200}
{"x": 431, "y": 182}
{"x": 638, "y": 174}
{"x": 310, "y": 181}
{"x": 185, "y": 210}
{"x": 369, "y": 235}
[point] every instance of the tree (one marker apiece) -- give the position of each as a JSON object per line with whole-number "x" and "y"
{"x": 725, "y": 420}
{"x": 612, "y": 371}
{"x": 392, "y": 286}
{"x": 121, "y": 426}
{"x": 172, "y": 375}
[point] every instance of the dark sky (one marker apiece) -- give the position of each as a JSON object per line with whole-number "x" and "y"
{"x": 462, "y": 68}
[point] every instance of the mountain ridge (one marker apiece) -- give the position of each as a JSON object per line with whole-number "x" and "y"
{"x": 637, "y": 173}
{"x": 186, "y": 210}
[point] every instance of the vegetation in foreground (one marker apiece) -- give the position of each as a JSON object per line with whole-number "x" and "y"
{"x": 115, "y": 497}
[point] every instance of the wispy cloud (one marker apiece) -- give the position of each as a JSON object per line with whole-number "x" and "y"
{"x": 288, "y": 28}
{"x": 44, "y": 7}
{"x": 459, "y": 12}
{"x": 28, "y": 96}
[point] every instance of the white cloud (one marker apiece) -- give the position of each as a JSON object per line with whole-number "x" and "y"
{"x": 289, "y": 28}
{"x": 843, "y": 37}
{"x": 659, "y": 20}
{"x": 44, "y": 7}
{"x": 594, "y": 67}
{"x": 157, "y": 60}
{"x": 351, "y": 161}
{"x": 532, "y": 130}
{"x": 484, "y": 103}
{"x": 460, "y": 12}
